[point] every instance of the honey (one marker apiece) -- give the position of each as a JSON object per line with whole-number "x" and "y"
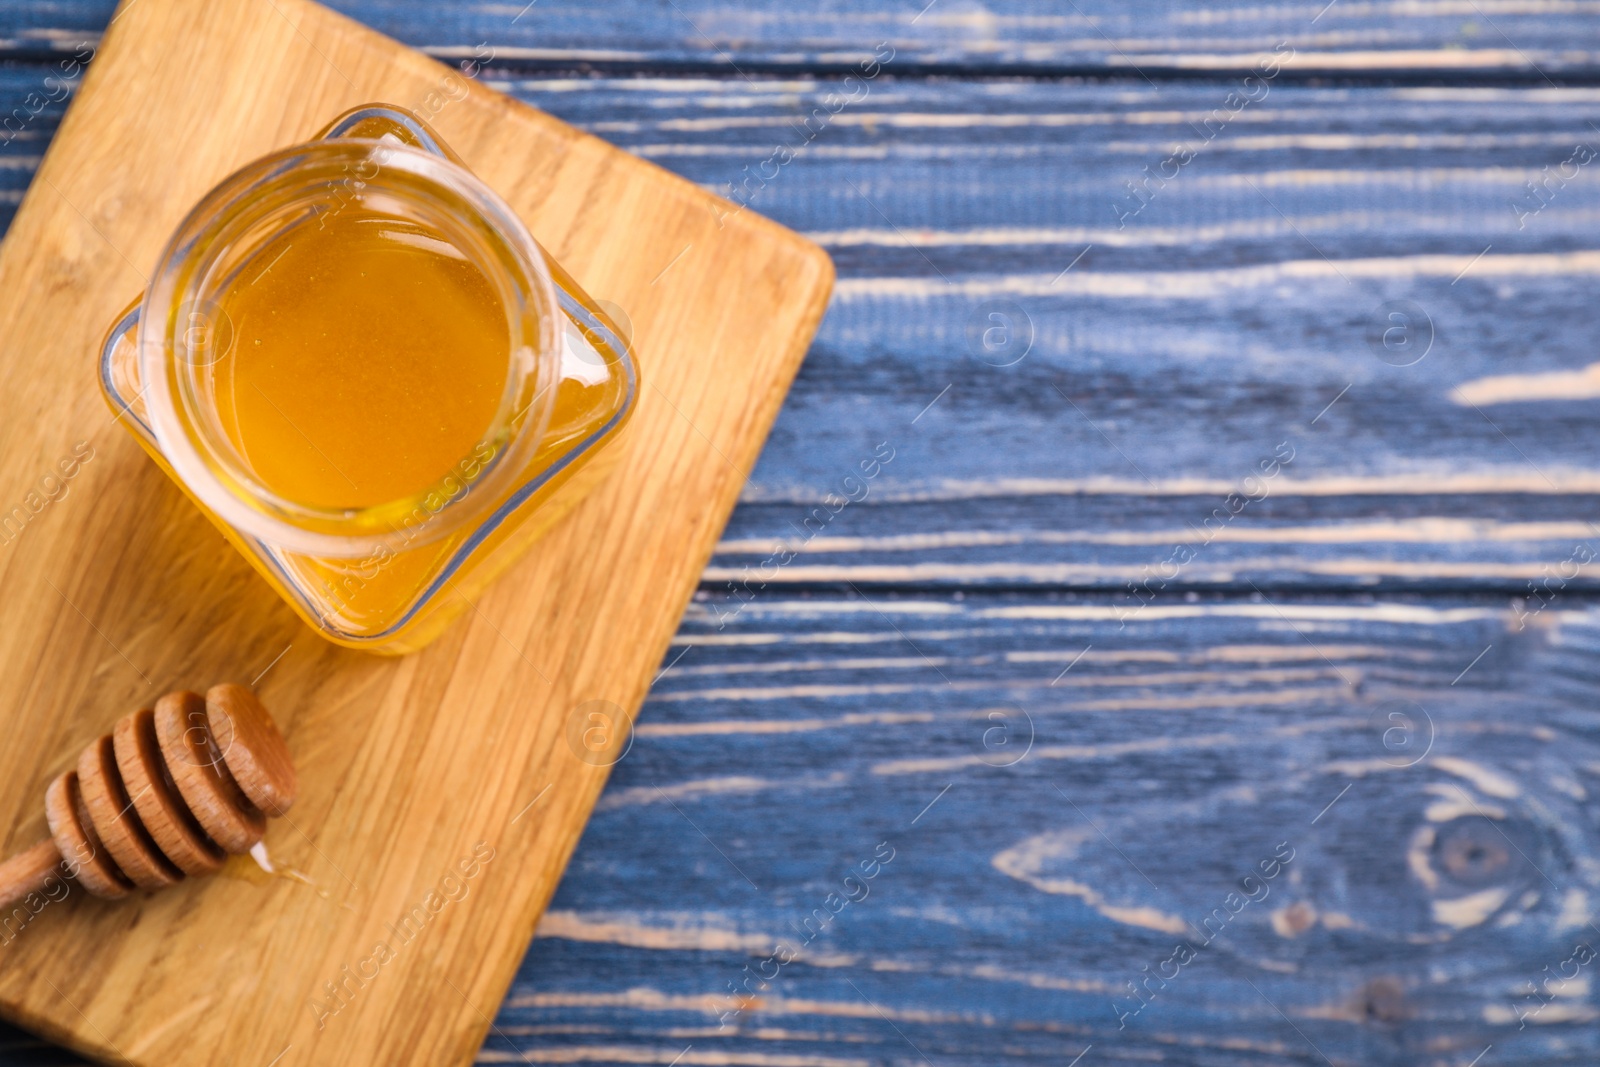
{"x": 368, "y": 359}
{"x": 360, "y": 365}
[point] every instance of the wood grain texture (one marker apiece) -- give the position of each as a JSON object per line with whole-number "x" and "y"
{"x": 779, "y": 746}
{"x": 440, "y": 796}
{"x": 1431, "y": 765}
{"x": 1487, "y": 39}
{"x": 1234, "y": 311}
{"x": 1154, "y": 382}
{"x": 27, "y": 872}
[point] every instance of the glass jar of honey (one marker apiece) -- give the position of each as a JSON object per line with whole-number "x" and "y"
{"x": 356, "y": 360}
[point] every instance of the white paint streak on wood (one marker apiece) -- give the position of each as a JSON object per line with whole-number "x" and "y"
{"x": 1389, "y": 180}
{"x": 1181, "y": 679}
{"x": 790, "y": 666}
{"x": 1426, "y": 530}
{"x": 1440, "y": 482}
{"x": 821, "y": 692}
{"x": 827, "y": 637}
{"x": 1410, "y": 614}
{"x": 751, "y": 93}
{"x": 1250, "y": 654}
{"x": 843, "y": 607}
{"x": 1028, "y": 859}
{"x": 1154, "y": 236}
{"x": 722, "y": 727}
{"x": 639, "y": 998}
{"x": 1574, "y": 911}
{"x": 1114, "y": 575}
{"x": 1481, "y": 94}
{"x": 645, "y": 999}
{"x": 1399, "y": 11}
{"x": 1486, "y": 780}
{"x": 503, "y": 51}
{"x": 1294, "y": 919}
{"x": 1114, "y": 750}
{"x": 695, "y": 935}
{"x": 792, "y": 692}
{"x": 1471, "y": 910}
{"x": 1218, "y": 283}
{"x": 1551, "y": 1013}
{"x": 692, "y": 790}
{"x": 995, "y": 973}
{"x": 1280, "y": 654}
{"x": 1442, "y": 811}
{"x": 1246, "y": 653}
{"x": 1374, "y": 59}
{"x": 1419, "y": 857}
{"x": 933, "y": 120}
{"x": 1581, "y": 384}
{"x": 1361, "y": 768}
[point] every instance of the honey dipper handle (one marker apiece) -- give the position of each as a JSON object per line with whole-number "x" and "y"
{"x": 27, "y": 872}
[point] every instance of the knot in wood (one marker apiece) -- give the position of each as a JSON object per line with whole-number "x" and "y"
{"x": 1473, "y": 852}
{"x": 1383, "y": 1001}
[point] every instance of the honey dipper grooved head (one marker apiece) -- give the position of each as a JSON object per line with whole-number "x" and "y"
{"x": 166, "y": 794}
{"x": 85, "y": 857}
{"x": 117, "y": 822}
{"x": 156, "y": 799}
{"x": 252, "y": 747}
{"x": 202, "y": 776}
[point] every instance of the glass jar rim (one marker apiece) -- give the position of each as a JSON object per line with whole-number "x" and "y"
{"x": 403, "y": 175}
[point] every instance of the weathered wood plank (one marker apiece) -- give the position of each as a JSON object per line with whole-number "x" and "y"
{"x": 1212, "y": 328}
{"x": 1182, "y": 349}
{"x": 437, "y": 754}
{"x": 1066, "y": 793}
{"x": 1397, "y": 38}
{"x": 1430, "y": 767}
{"x": 33, "y": 97}
{"x": 1196, "y": 734}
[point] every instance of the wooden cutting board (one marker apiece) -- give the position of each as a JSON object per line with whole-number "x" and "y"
{"x": 114, "y": 588}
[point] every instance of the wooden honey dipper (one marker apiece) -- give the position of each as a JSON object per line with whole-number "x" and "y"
{"x": 168, "y": 793}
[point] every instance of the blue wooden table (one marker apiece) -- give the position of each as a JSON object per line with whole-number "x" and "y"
{"x": 1160, "y": 627}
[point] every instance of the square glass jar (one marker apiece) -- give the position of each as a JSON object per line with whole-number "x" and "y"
{"x": 388, "y": 578}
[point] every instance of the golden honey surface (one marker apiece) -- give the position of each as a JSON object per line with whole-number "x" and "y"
{"x": 369, "y": 358}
